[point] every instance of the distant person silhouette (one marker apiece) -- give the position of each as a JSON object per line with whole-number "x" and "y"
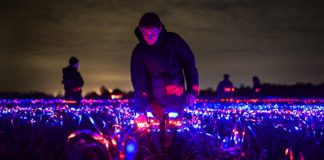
{"x": 72, "y": 81}
{"x": 256, "y": 89}
{"x": 225, "y": 88}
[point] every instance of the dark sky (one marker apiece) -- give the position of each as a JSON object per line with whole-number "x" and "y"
{"x": 281, "y": 41}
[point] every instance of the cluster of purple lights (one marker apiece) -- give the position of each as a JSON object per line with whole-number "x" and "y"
{"x": 226, "y": 122}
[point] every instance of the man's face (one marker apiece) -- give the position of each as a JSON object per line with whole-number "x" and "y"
{"x": 76, "y": 66}
{"x": 150, "y": 34}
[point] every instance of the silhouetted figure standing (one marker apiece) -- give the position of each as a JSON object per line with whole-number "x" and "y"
{"x": 256, "y": 90}
{"x": 225, "y": 88}
{"x": 72, "y": 81}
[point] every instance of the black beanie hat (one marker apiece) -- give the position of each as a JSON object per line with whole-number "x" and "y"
{"x": 150, "y": 19}
{"x": 73, "y": 60}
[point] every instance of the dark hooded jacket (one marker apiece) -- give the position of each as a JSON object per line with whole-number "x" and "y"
{"x": 221, "y": 89}
{"x": 158, "y": 71}
{"x": 71, "y": 78}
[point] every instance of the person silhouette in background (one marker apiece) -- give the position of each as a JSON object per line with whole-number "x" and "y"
{"x": 225, "y": 88}
{"x": 72, "y": 81}
{"x": 256, "y": 89}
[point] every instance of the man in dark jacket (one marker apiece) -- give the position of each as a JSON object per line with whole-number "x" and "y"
{"x": 256, "y": 90}
{"x": 72, "y": 81}
{"x": 225, "y": 88}
{"x": 161, "y": 63}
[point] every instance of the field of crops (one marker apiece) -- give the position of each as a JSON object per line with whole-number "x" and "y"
{"x": 51, "y": 129}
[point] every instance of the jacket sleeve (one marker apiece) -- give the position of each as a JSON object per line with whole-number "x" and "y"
{"x": 67, "y": 82}
{"x": 189, "y": 66}
{"x": 80, "y": 80}
{"x": 64, "y": 77}
{"x": 140, "y": 83}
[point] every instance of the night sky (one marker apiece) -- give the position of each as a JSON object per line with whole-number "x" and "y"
{"x": 281, "y": 41}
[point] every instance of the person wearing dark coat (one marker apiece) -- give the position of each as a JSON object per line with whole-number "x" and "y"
{"x": 256, "y": 87}
{"x": 161, "y": 63}
{"x": 72, "y": 81}
{"x": 225, "y": 88}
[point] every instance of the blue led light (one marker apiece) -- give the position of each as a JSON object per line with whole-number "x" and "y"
{"x": 130, "y": 148}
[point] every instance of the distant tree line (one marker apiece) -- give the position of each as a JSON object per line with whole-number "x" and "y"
{"x": 298, "y": 90}
{"x": 106, "y": 94}
{"x": 12, "y": 95}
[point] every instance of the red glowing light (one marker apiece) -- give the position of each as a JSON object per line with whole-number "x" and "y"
{"x": 113, "y": 141}
{"x": 229, "y": 89}
{"x": 174, "y": 90}
{"x": 69, "y": 101}
{"x": 121, "y": 156}
{"x": 71, "y": 136}
{"x": 116, "y": 96}
{"x": 195, "y": 88}
{"x": 291, "y": 155}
